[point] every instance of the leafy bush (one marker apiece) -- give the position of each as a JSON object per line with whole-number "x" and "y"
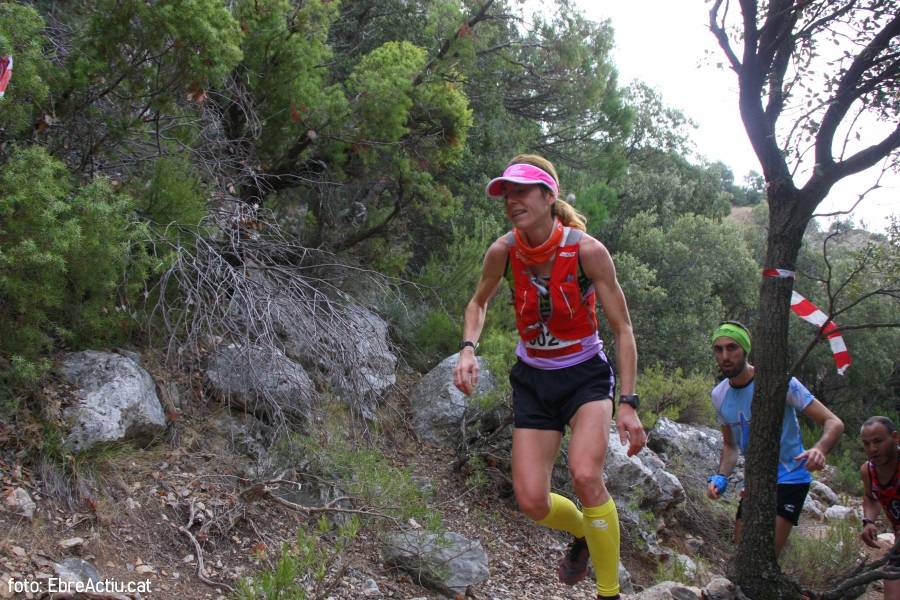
{"x": 20, "y": 35}
{"x": 672, "y": 394}
{"x": 70, "y": 262}
{"x": 432, "y": 328}
{"x": 172, "y": 194}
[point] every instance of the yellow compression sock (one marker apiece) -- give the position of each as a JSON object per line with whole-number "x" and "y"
{"x": 601, "y": 528}
{"x": 564, "y": 515}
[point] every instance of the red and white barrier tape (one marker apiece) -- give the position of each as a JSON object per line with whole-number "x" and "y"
{"x": 811, "y": 313}
{"x": 6, "y": 64}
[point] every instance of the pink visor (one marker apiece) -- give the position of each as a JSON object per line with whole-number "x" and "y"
{"x": 524, "y": 174}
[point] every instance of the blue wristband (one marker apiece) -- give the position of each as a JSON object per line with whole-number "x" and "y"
{"x": 720, "y": 481}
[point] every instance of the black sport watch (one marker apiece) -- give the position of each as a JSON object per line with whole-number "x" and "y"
{"x": 631, "y": 400}
{"x": 465, "y": 343}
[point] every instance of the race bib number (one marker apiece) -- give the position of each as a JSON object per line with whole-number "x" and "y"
{"x": 546, "y": 341}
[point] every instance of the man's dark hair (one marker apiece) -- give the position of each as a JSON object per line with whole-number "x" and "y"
{"x": 736, "y": 324}
{"x": 888, "y": 424}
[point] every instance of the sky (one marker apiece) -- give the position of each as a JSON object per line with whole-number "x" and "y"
{"x": 667, "y": 44}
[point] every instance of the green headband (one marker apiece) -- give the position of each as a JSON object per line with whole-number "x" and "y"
{"x": 734, "y": 332}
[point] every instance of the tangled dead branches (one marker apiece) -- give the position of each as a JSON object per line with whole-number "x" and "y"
{"x": 250, "y": 287}
{"x": 854, "y": 583}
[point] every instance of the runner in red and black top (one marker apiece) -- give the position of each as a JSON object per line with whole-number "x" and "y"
{"x": 881, "y": 483}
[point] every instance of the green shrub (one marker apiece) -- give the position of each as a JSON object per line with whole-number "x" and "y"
{"x": 816, "y": 561}
{"x": 173, "y": 194}
{"x": 363, "y": 473}
{"x": 498, "y": 348}
{"x": 433, "y": 326}
{"x": 846, "y": 459}
{"x": 673, "y": 395}
{"x": 302, "y": 569}
{"x": 71, "y": 260}
{"x": 22, "y": 36}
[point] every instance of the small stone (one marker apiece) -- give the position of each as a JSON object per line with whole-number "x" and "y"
{"x": 144, "y": 569}
{"x": 19, "y": 502}
{"x": 18, "y": 551}
{"x": 371, "y": 589}
{"x": 5, "y": 592}
{"x": 71, "y": 542}
{"x": 694, "y": 544}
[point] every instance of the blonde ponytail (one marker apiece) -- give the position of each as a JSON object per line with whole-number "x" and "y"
{"x": 568, "y": 216}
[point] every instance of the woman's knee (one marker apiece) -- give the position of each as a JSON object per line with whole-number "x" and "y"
{"x": 534, "y": 503}
{"x": 587, "y": 479}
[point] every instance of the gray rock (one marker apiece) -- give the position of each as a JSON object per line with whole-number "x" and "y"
{"x": 688, "y": 566}
{"x": 693, "y": 444}
{"x": 115, "y": 400}
{"x": 813, "y": 508}
{"x": 446, "y": 563}
{"x": 669, "y": 590}
{"x": 262, "y": 382}
{"x": 371, "y": 589}
{"x": 840, "y": 513}
{"x": 693, "y": 452}
{"x": 625, "y": 584}
{"x": 74, "y": 570}
{"x": 350, "y": 346}
{"x": 438, "y": 407}
{"x": 824, "y": 494}
{"x": 721, "y": 589}
{"x": 375, "y": 363}
{"x": 642, "y": 477}
{"x": 19, "y": 502}
{"x": 653, "y": 549}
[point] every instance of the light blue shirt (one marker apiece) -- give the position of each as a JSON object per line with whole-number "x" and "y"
{"x": 733, "y": 406}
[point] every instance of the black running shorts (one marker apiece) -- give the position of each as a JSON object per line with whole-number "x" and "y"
{"x": 549, "y": 398}
{"x": 789, "y": 499}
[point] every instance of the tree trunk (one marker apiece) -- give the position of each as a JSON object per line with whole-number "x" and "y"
{"x": 755, "y": 566}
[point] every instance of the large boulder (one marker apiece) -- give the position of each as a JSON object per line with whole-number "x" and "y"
{"x": 260, "y": 381}
{"x": 115, "y": 399}
{"x": 349, "y": 345}
{"x": 693, "y": 444}
{"x": 642, "y": 478}
{"x": 449, "y": 563}
{"x": 438, "y": 407}
{"x": 693, "y": 451}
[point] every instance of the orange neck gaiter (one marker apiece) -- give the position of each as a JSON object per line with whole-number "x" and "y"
{"x": 539, "y": 254}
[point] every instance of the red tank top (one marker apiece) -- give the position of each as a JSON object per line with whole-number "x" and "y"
{"x": 888, "y": 494}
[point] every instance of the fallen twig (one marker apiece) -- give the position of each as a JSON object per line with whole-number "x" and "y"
{"x": 201, "y": 574}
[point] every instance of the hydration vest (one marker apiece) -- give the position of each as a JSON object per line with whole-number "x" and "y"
{"x": 573, "y": 314}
